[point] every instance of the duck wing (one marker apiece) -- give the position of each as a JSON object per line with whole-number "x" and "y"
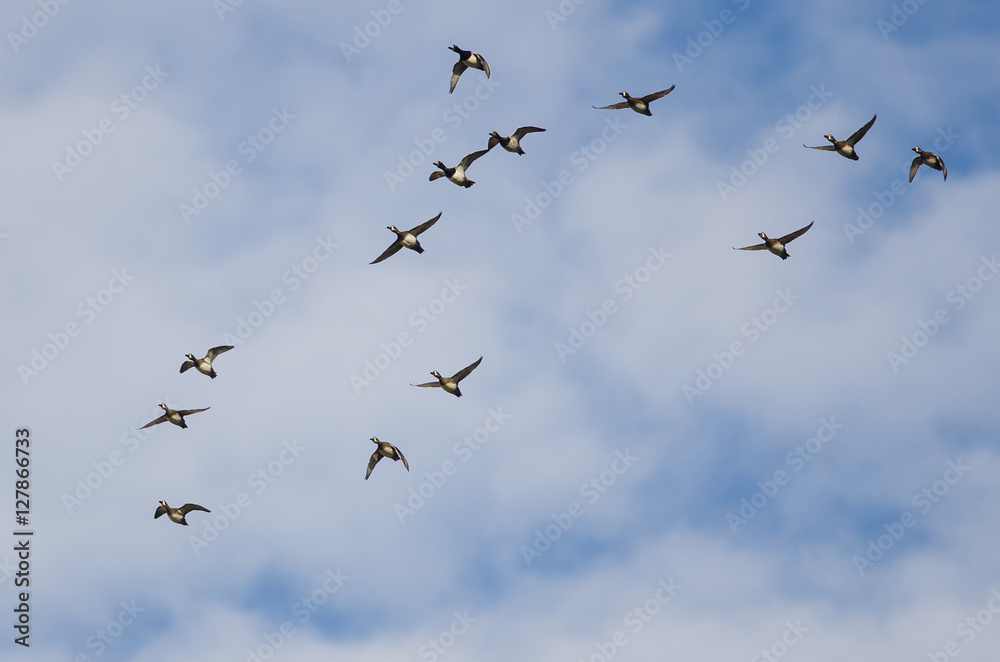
{"x": 187, "y": 365}
{"x": 792, "y": 235}
{"x": 160, "y": 510}
{"x": 456, "y": 71}
{"x": 521, "y": 131}
{"x": 428, "y": 384}
{"x": 464, "y": 372}
{"x": 156, "y": 421}
{"x": 372, "y": 461}
{"x": 188, "y": 507}
{"x": 436, "y": 174}
{"x": 914, "y": 166}
{"x": 825, "y": 148}
{"x": 755, "y": 247}
{"x": 482, "y": 61}
{"x": 423, "y": 226}
{"x": 405, "y": 463}
{"x": 943, "y": 168}
{"x": 469, "y": 158}
{"x": 215, "y": 351}
{"x": 656, "y": 95}
{"x": 392, "y": 250}
{"x": 860, "y": 133}
{"x": 188, "y": 412}
{"x": 614, "y": 106}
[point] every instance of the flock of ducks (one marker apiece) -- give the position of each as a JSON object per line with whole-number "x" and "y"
{"x": 457, "y": 175}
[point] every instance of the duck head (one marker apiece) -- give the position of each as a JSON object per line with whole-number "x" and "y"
{"x": 762, "y": 236}
{"x": 830, "y": 138}
{"x": 918, "y": 150}
{"x": 435, "y": 373}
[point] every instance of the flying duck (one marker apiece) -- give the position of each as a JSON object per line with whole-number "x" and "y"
{"x": 457, "y": 174}
{"x": 466, "y": 59}
{"x": 776, "y": 246}
{"x": 407, "y": 239}
{"x": 512, "y": 143}
{"x": 638, "y": 104}
{"x": 204, "y": 366}
{"x": 384, "y": 449}
{"x": 450, "y": 384}
{"x": 929, "y": 159}
{"x": 846, "y": 147}
{"x": 175, "y": 416}
{"x": 177, "y": 514}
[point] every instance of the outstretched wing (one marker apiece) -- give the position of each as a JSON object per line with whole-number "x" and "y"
{"x": 914, "y": 165}
{"x": 486, "y": 67}
{"x": 423, "y": 226}
{"x": 188, "y": 412}
{"x": 456, "y": 71}
{"x": 825, "y": 148}
{"x": 157, "y": 421}
{"x": 372, "y": 461}
{"x": 656, "y": 95}
{"x": 614, "y": 106}
{"x": 215, "y": 351}
{"x": 464, "y": 372}
{"x": 435, "y": 175}
{"x": 160, "y": 510}
{"x": 428, "y": 384}
{"x": 492, "y": 142}
{"x": 943, "y": 168}
{"x": 405, "y": 463}
{"x": 792, "y": 235}
{"x": 187, "y": 365}
{"x": 860, "y": 133}
{"x": 521, "y": 131}
{"x": 755, "y": 247}
{"x": 188, "y": 507}
{"x": 469, "y": 158}
{"x": 392, "y": 250}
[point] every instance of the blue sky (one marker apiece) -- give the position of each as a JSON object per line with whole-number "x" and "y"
{"x": 565, "y": 489}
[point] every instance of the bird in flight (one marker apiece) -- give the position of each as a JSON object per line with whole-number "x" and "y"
{"x": 638, "y": 104}
{"x": 450, "y": 384}
{"x": 846, "y": 147}
{"x": 776, "y": 246}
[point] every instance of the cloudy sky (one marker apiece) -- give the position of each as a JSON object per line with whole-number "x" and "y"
{"x": 671, "y": 450}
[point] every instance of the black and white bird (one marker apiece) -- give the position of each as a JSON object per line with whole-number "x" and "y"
{"x": 384, "y": 449}
{"x": 466, "y": 60}
{"x": 406, "y": 239}
{"x": 776, "y": 246}
{"x": 638, "y": 104}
